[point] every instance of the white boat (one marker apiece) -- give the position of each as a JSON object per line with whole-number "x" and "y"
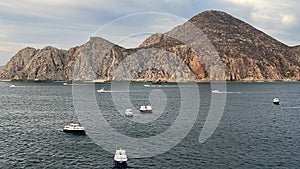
{"x": 216, "y": 91}
{"x": 101, "y": 90}
{"x": 120, "y": 158}
{"x": 74, "y": 128}
{"x": 128, "y": 113}
{"x": 67, "y": 83}
{"x": 12, "y": 85}
{"x": 146, "y": 109}
{"x": 276, "y": 100}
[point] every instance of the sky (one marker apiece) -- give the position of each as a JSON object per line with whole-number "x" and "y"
{"x": 68, "y": 23}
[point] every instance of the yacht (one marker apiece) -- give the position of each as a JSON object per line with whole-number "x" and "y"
{"x": 120, "y": 158}
{"x": 146, "y": 109}
{"x": 276, "y": 100}
{"x": 128, "y": 113}
{"x": 74, "y": 128}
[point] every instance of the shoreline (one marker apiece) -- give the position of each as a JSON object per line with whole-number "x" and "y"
{"x": 145, "y": 81}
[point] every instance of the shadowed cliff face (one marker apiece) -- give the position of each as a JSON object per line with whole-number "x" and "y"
{"x": 210, "y": 46}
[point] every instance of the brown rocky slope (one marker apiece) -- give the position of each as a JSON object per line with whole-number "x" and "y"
{"x": 210, "y": 46}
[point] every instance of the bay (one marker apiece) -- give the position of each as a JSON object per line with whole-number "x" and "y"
{"x": 253, "y": 133}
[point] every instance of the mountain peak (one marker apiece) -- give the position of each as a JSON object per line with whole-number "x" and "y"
{"x": 245, "y": 53}
{"x": 215, "y": 13}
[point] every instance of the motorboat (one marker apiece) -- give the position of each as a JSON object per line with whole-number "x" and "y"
{"x": 67, "y": 83}
{"x": 216, "y": 91}
{"x": 154, "y": 85}
{"x": 74, "y": 128}
{"x": 146, "y": 109}
{"x": 120, "y": 158}
{"x": 276, "y": 100}
{"x": 128, "y": 113}
{"x": 13, "y": 85}
{"x": 101, "y": 90}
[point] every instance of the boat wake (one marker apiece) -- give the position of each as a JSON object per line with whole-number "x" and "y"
{"x": 223, "y": 92}
{"x": 17, "y": 86}
{"x": 109, "y": 91}
{"x": 160, "y": 86}
{"x": 297, "y": 107}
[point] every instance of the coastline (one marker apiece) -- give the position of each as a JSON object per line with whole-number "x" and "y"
{"x": 147, "y": 81}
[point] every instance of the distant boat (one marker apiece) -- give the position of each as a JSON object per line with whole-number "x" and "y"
{"x": 120, "y": 158}
{"x": 146, "y": 109}
{"x": 101, "y": 90}
{"x": 68, "y": 83}
{"x": 74, "y": 128}
{"x": 128, "y": 113}
{"x": 13, "y": 85}
{"x": 276, "y": 100}
{"x": 216, "y": 91}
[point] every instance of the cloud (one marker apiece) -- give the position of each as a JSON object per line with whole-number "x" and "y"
{"x": 275, "y": 17}
{"x": 2, "y": 35}
{"x": 131, "y": 30}
{"x": 65, "y": 23}
{"x": 289, "y": 20}
{"x": 270, "y": 13}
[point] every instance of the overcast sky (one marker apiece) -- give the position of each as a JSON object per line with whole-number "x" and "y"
{"x": 67, "y": 23}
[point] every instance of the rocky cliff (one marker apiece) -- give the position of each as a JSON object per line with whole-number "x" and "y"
{"x": 47, "y": 64}
{"x": 210, "y": 46}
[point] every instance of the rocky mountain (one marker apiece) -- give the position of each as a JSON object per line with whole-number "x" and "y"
{"x": 211, "y": 46}
{"x": 47, "y": 64}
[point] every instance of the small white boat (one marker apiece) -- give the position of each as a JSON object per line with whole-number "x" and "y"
{"x": 101, "y": 90}
{"x": 276, "y": 100}
{"x": 120, "y": 158}
{"x": 74, "y": 128}
{"x": 216, "y": 91}
{"x": 146, "y": 109}
{"x": 13, "y": 85}
{"x": 128, "y": 113}
{"x": 67, "y": 84}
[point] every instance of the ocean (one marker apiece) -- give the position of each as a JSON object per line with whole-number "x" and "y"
{"x": 252, "y": 132}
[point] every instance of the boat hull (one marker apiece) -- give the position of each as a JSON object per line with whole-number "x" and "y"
{"x": 79, "y": 132}
{"x": 146, "y": 111}
{"x": 277, "y": 103}
{"x": 120, "y": 164}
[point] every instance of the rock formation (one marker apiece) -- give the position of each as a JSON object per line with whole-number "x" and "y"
{"x": 211, "y": 46}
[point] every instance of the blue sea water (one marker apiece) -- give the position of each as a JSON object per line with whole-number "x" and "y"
{"x": 253, "y": 132}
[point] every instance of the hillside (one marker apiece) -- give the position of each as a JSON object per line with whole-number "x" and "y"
{"x": 211, "y": 46}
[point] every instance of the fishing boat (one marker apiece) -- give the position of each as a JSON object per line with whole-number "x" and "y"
{"x": 120, "y": 158}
